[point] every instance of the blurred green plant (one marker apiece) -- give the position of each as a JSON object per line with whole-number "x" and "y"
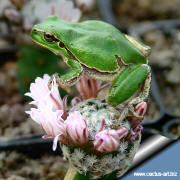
{"x": 34, "y": 63}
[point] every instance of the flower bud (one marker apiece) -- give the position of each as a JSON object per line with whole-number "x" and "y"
{"x": 76, "y": 129}
{"x": 140, "y": 109}
{"x": 109, "y": 140}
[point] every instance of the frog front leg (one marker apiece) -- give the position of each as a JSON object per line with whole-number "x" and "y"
{"x": 126, "y": 85}
{"x": 71, "y": 77}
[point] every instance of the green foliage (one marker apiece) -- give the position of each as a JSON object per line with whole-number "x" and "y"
{"x": 34, "y": 63}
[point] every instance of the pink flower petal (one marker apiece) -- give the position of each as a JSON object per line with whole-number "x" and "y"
{"x": 55, "y": 141}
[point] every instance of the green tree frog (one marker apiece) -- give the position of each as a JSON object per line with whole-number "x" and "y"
{"x": 101, "y": 51}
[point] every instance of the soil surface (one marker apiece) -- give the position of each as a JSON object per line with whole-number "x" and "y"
{"x": 129, "y": 12}
{"x": 16, "y": 166}
{"x": 13, "y": 119}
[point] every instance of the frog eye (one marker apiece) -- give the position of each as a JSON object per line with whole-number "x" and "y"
{"x": 49, "y": 37}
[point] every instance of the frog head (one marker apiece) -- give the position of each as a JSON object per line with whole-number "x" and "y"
{"x": 53, "y": 34}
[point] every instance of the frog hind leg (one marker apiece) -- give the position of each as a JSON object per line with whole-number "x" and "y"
{"x": 70, "y": 78}
{"x": 126, "y": 85}
{"x": 142, "y": 96}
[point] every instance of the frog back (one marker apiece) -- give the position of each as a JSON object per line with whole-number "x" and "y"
{"x": 96, "y": 44}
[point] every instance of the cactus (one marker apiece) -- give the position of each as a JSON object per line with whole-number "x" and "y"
{"x": 93, "y": 164}
{"x": 92, "y": 136}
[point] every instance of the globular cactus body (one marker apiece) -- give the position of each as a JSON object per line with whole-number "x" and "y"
{"x": 112, "y": 157}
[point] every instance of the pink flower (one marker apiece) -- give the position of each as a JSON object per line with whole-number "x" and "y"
{"x": 51, "y": 109}
{"x": 88, "y": 88}
{"x": 40, "y": 93}
{"x": 109, "y": 140}
{"x": 76, "y": 129}
{"x": 51, "y": 122}
{"x": 51, "y": 113}
{"x": 141, "y": 109}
